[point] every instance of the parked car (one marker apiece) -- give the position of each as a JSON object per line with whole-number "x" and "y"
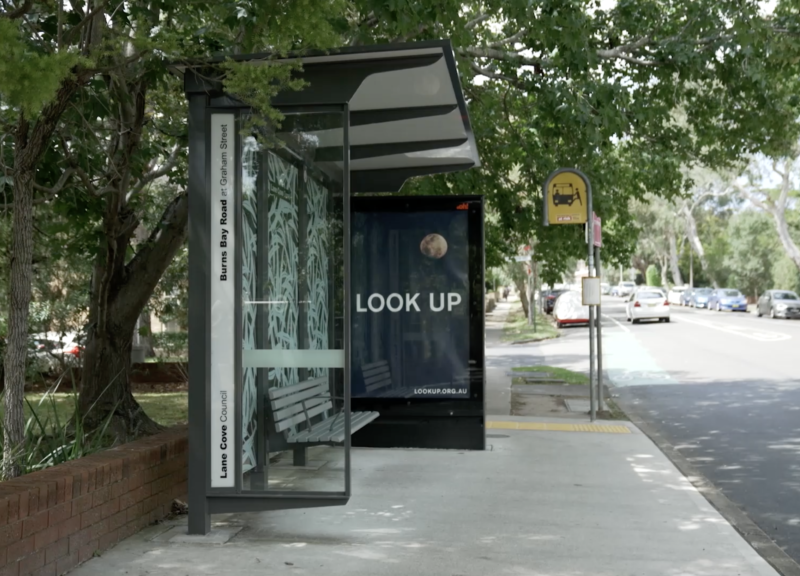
{"x": 779, "y": 304}
{"x": 686, "y": 297}
{"x": 625, "y": 288}
{"x": 49, "y": 352}
{"x": 605, "y": 288}
{"x": 647, "y": 304}
{"x": 700, "y": 297}
{"x": 727, "y": 299}
{"x": 549, "y": 299}
{"x": 569, "y": 309}
{"x": 674, "y": 295}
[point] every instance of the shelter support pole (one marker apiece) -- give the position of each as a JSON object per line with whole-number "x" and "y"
{"x": 592, "y": 310}
{"x": 199, "y": 247}
{"x": 599, "y": 338}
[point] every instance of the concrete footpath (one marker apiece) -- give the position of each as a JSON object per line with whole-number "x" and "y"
{"x": 547, "y": 498}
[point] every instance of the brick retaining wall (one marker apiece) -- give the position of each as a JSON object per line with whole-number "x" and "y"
{"x": 54, "y": 519}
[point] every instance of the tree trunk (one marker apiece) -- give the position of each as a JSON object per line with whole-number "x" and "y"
{"x": 19, "y": 297}
{"x": 789, "y": 246}
{"x": 697, "y": 244}
{"x": 30, "y": 145}
{"x": 663, "y": 264}
{"x": 673, "y": 259}
{"x": 119, "y": 294}
{"x": 522, "y": 290}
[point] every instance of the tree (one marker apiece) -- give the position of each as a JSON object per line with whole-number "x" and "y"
{"x": 628, "y": 95}
{"x": 96, "y": 97}
{"x": 36, "y": 90}
{"x": 549, "y": 84}
{"x": 753, "y": 246}
{"x": 775, "y": 198}
{"x": 652, "y": 275}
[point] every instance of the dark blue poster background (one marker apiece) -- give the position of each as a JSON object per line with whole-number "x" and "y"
{"x": 410, "y": 304}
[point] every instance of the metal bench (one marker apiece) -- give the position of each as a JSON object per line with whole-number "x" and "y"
{"x": 304, "y": 415}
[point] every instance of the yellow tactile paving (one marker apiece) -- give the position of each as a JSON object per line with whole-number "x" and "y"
{"x": 559, "y": 427}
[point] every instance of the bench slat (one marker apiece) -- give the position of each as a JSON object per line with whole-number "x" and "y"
{"x": 284, "y": 413}
{"x": 300, "y": 417}
{"x": 319, "y": 390}
{"x": 379, "y": 386}
{"x": 332, "y": 429}
{"x": 379, "y": 378}
{"x": 374, "y": 364}
{"x": 275, "y": 393}
{"x": 374, "y": 371}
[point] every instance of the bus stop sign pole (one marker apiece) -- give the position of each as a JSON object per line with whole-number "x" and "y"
{"x": 567, "y": 198}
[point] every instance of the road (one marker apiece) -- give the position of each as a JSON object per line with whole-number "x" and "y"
{"x": 724, "y": 389}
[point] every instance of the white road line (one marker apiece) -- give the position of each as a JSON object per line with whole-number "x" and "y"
{"x": 747, "y": 332}
{"x": 617, "y": 322}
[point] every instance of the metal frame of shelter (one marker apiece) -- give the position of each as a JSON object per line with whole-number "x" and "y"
{"x": 403, "y": 114}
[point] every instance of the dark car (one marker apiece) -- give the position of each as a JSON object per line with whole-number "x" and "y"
{"x": 727, "y": 299}
{"x": 686, "y": 297}
{"x": 549, "y": 299}
{"x": 779, "y": 304}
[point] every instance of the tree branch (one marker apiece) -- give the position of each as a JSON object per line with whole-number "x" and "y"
{"x": 493, "y": 75}
{"x": 477, "y": 20}
{"x": 153, "y": 174}
{"x": 502, "y": 55}
{"x": 146, "y": 268}
{"x": 19, "y": 12}
{"x": 58, "y": 186}
{"x": 118, "y": 65}
{"x": 510, "y": 40}
{"x": 758, "y": 202}
{"x": 86, "y": 19}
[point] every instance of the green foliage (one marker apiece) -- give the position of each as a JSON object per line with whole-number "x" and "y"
{"x": 517, "y": 329}
{"x": 568, "y": 376}
{"x": 51, "y": 438}
{"x": 258, "y": 85}
{"x": 753, "y": 252}
{"x": 653, "y": 276}
{"x": 30, "y": 78}
{"x": 785, "y": 273}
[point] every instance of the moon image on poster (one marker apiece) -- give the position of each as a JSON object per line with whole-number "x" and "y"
{"x": 433, "y": 246}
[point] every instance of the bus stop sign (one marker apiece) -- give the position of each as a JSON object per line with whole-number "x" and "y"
{"x": 566, "y": 198}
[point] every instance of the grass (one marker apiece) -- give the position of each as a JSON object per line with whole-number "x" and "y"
{"x": 568, "y": 376}
{"x": 517, "y": 329}
{"x": 167, "y": 409}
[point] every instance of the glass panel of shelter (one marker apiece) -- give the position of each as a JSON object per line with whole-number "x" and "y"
{"x": 293, "y": 288}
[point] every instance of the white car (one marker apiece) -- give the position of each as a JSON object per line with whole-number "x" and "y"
{"x": 647, "y": 304}
{"x": 674, "y": 295}
{"x": 569, "y": 309}
{"x": 626, "y": 288}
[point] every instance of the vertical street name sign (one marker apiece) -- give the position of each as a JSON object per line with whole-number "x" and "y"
{"x": 223, "y": 163}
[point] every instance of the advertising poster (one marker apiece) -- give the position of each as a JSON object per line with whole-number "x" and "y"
{"x": 410, "y": 304}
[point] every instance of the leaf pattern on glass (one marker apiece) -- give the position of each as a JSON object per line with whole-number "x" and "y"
{"x": 316, "y": 268}
{"x": 250, "y": 151}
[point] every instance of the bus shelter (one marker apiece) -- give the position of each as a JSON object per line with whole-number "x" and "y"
{"x": 269, "y": 261}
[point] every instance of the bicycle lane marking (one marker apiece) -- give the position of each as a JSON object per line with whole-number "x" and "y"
{"x": 627, "y": 362}
{"x": 746, "y": 332}
{"x": 617, "y": 322}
